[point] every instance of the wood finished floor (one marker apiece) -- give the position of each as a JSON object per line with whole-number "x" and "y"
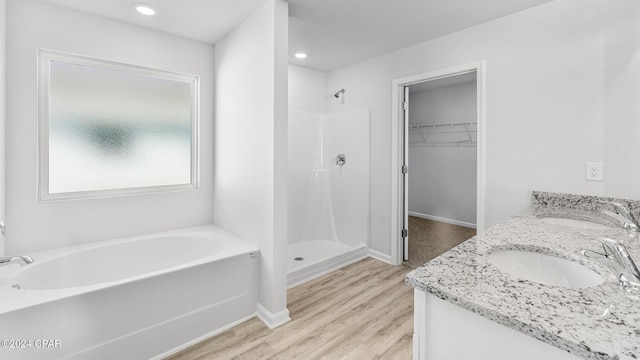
{"x": 363, "y": 311}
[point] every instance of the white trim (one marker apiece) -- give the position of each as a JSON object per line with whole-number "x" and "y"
{"x": 419, "y": 324}
{"x": 441, "y": 219}
{"x": 397, "y": 144}
{"x": 3, "y": 116}
{"x": 270, "y": 319}
{"x": 382, "y": 257}
{"x": 481, "y": 147}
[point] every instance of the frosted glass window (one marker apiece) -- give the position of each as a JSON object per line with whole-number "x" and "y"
{"x": 111, "y": 129}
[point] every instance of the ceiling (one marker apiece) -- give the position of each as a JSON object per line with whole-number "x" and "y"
{"x": 334, "y": 33}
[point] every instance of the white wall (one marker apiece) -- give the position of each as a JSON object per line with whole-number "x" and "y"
{"x": 306, "y": 96}
{"x": 304, "y": 148}
{"x": 251, "y": 145}
{"x": 314, "y": 141}
{"x": 307, "y": 90}
{"x": 622, "y": 106}
{"x": 348, "y": 133}
{"x": 442, "y": 179}
{"x": 443, "y": 105}
{"x": 3, "y": 17}
{"x": 547, "y": 71}
{"x": 33, "y": 226}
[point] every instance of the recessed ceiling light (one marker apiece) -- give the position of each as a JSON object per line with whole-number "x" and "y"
{"x": 301, "y": 55}
{"x": 145, "y": 9}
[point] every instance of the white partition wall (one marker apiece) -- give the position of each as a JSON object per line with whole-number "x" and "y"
{"x": 250, "y": 184}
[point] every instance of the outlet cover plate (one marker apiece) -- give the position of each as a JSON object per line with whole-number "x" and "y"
{"x": 593, "y": 171}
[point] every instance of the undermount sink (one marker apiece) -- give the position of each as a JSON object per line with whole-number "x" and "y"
{"x": 574, "y": 223}
{"x": 544, "y": 269}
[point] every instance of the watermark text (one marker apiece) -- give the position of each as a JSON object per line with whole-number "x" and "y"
{"x": 30, "y": 343}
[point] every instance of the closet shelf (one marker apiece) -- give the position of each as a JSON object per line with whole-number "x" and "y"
{"x": 452, "y": 134}
{"x": 412, "y": 127}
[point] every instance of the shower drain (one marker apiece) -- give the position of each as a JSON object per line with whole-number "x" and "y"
{"x": 299, "y": 258}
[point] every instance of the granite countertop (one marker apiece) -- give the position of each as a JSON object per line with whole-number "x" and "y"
{"x": 601, "y": 322}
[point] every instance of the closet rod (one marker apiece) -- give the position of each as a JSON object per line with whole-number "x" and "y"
{"x": 440, "y": 125}
{"x": 450, "y": 132}
{"x": 444, "y": 144}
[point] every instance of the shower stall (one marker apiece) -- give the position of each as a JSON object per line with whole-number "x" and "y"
{"x": 328, "y": 192}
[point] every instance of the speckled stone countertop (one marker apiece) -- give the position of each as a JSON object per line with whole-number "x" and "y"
{"x": 601, "y": 322}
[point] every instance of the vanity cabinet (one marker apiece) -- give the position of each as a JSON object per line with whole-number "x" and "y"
{"x": 444, "y": 331}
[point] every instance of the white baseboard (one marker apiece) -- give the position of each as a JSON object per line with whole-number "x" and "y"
{"x": 273, "y": 320}
{"x": 444, "y": 220}
{"x": 380, "y": 256}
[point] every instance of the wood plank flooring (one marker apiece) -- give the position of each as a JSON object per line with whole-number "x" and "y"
{"x": 362, "y": 311}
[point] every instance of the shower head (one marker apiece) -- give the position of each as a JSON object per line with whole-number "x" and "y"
{"x": 337, "y": 95}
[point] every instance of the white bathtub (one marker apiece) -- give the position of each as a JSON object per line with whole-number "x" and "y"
{"x": 136, "y": 298}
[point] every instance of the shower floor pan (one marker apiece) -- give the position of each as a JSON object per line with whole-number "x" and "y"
{"x": 309, "y": 260}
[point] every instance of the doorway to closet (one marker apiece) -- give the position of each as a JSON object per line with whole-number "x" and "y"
{"x": 441, "y": 182}
{"x": 441, "y": 151}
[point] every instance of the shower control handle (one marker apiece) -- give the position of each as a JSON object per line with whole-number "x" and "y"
{"x": 340, "y": 159}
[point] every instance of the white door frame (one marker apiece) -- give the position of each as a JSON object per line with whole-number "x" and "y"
{"x": 3, "y": 114}
{"x": 397, "y": 148}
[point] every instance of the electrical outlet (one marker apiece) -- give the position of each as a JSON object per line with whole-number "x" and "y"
{"x": 593, "y": 171}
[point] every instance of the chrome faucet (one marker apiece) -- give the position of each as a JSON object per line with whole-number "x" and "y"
{"x": 628, "y": 273}
{"x": 629, "y": 220}
{"x": 18, "y": 259}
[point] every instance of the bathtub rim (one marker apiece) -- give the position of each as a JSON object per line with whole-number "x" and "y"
{"x": 17, "y": 299}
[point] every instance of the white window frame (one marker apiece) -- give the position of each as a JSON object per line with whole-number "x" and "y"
{"x": 44, "y": 59}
